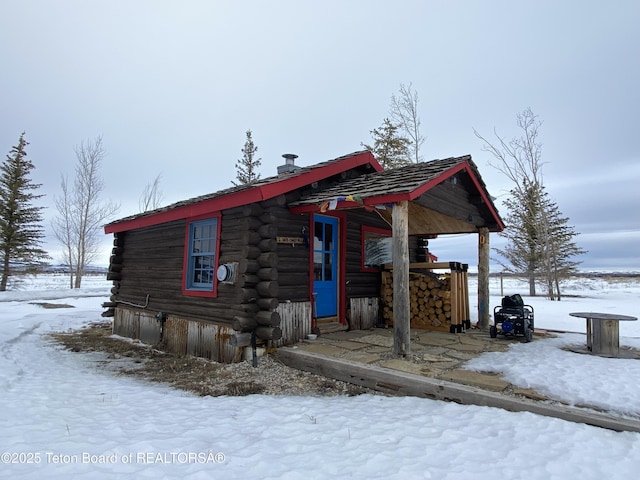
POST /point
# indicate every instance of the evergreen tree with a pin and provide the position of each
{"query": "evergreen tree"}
(389, 147)
(21, 232)
(247, 166)
(558, 246)
(522, 251)
(540, 242)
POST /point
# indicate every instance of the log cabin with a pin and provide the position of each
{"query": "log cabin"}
(301, 251)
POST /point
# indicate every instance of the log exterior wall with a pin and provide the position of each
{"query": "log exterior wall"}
(293, 259)
(272, 289)
(359, 283)
(152, 263)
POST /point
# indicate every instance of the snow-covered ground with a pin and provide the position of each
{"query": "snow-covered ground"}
(63, 418)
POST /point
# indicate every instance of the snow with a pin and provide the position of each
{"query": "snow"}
(64, 418)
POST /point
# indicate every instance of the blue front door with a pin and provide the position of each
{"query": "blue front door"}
(325, 265)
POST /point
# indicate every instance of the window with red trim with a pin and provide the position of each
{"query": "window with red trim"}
(377, 248)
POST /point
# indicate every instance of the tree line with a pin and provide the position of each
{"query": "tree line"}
(81, 212)
(540, 243)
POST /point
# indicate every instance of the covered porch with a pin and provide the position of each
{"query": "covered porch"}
(433, 198)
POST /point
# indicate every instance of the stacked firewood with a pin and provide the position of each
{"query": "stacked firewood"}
(437, 301)
(430, 299)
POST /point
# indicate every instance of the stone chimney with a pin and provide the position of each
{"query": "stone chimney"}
(289, 165)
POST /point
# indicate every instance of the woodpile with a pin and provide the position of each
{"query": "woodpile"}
(437, 301)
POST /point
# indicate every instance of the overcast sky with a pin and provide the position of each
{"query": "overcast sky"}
(172, 86)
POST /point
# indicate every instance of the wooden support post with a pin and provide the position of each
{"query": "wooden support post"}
(466, 316)
(401, 302)
(460, 326)
(483, 278)
(455, 301)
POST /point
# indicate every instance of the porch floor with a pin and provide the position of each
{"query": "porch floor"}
(433, 354)
(433, 370)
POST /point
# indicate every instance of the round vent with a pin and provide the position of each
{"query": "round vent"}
(225, 273)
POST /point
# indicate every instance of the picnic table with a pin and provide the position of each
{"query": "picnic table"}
(603, 332)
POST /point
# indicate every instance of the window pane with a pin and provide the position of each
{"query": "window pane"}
(328, 236)
(317, 233)
(202, 259)
(317, 266)
(203, 269)
(328, 267)
(378, 249)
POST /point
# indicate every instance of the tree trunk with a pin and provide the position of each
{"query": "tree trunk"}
(5, 272)
(532, 284)
(556, 279)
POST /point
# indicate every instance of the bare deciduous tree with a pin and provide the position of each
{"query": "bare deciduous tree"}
(540, 238)
(404, 113)
(519, 158)
(151, 196)
(63, 228)
(81, 210)
(520, 161)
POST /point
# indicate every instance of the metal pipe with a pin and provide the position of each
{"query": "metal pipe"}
(146, 304)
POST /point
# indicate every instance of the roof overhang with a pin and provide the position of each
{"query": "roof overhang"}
(437, 204)
(260, 191)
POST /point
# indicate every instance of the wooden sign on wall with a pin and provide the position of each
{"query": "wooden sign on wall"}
(290, 240)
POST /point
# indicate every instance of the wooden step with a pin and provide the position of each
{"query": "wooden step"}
(326, 320)
(331, 327)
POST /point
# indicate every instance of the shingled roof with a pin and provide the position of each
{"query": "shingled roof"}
(447, 196)
(379, 186)
(263, 189)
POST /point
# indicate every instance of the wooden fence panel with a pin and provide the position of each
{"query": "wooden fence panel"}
(364, 313)
(295, 322)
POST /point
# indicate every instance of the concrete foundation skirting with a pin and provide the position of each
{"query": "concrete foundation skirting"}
(401, 383)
